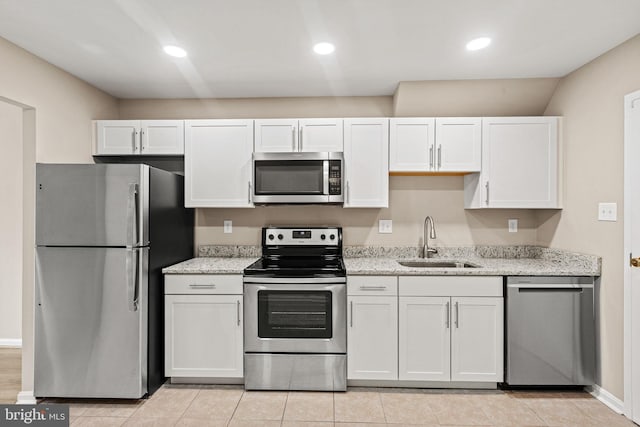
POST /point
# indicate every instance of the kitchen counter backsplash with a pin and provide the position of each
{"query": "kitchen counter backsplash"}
(229, 251)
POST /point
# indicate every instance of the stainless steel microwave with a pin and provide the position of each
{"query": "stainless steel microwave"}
(298, 178)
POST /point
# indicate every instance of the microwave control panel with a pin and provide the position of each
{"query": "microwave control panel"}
(335, 177)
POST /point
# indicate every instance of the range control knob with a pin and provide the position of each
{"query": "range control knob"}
(271, 236)
(332, 236)
(322, 236)
(280, 237)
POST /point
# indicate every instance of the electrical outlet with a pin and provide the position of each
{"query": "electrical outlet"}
(607, 211)
(228, 226)
(385, 226)
(513, 226)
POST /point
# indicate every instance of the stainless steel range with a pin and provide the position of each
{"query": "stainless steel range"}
(295, 311)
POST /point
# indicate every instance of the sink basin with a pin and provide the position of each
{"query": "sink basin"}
(437, 264)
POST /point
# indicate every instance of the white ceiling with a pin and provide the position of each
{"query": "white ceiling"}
(263, 48)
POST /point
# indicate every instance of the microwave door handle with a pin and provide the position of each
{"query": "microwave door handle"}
(325, 177)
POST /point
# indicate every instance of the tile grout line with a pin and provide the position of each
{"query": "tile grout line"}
(286, 400)
(236, 408)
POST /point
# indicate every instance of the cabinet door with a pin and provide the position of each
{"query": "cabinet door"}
(217, 163)
(366, 157)
(320, 135)
(520, 162)
(203, 336)
(458, 144)
(276, 136)
(424, 338)
(411, 144)
(162, 137)
(117, 137)
(372, 338)
(477, 339)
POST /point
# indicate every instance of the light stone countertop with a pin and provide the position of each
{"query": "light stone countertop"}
(487, 267)
(211, 265)
(492, 261)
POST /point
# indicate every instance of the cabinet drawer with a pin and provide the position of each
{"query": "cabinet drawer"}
(435, 286)
(372, 285)
(203, 284)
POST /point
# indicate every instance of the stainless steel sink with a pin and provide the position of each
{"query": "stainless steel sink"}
(437, 264)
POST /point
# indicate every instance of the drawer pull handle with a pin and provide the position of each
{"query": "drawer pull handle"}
(373, 288)
(202, 286)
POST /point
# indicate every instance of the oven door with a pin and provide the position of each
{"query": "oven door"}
(295, 317)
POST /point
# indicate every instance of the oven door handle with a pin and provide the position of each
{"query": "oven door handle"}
(293, 281)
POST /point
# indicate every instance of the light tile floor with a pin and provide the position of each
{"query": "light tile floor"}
(180, 405)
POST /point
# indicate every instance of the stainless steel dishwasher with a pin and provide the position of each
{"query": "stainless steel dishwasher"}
(550, 331)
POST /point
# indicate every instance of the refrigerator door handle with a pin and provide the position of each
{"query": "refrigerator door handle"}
(132, 216)
(132, 279)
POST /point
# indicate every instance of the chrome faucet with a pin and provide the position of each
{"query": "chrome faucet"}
(428, 252)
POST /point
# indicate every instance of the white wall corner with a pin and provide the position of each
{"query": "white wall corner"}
(10, 342)
(26, 398)
(607, 398)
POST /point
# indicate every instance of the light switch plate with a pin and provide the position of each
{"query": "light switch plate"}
(228, 226)
(607, 211)
(513, 226)
(385, 226)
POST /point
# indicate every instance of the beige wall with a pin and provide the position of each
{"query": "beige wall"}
(591, 101)
(364, 106)
(57, 113)
(410, 200)
(472, 98)
(11, 223)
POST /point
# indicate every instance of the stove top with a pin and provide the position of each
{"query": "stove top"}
(303, 252)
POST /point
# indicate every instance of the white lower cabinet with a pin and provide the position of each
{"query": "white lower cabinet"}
(424, 339)
(203, 326)
(372, 333)
(450, 328)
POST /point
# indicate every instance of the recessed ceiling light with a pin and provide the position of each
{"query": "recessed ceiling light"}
(479, 43)
(175, 51)
(323, 48)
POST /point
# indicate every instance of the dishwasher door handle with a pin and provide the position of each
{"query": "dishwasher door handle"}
(535, 290)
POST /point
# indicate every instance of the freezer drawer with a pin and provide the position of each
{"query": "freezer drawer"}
(550, 331)
(90, 336)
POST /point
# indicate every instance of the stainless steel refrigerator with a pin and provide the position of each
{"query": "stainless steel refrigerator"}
(103, 234)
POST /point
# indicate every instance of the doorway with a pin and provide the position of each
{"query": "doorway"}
(632, 248)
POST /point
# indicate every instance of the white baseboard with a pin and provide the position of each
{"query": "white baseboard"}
(607, 398)
(26, 398)
(9, 342)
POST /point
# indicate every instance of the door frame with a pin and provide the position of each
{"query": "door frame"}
(631, 100)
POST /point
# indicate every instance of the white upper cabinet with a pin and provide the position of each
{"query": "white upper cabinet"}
(411, 144)
(139, 137)
(217, 163)
(293, 135)
(421, 144)
(162, 137)
(276, 136)
(519, 164)
(458, 144)
(320, 135)
(366, 158)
